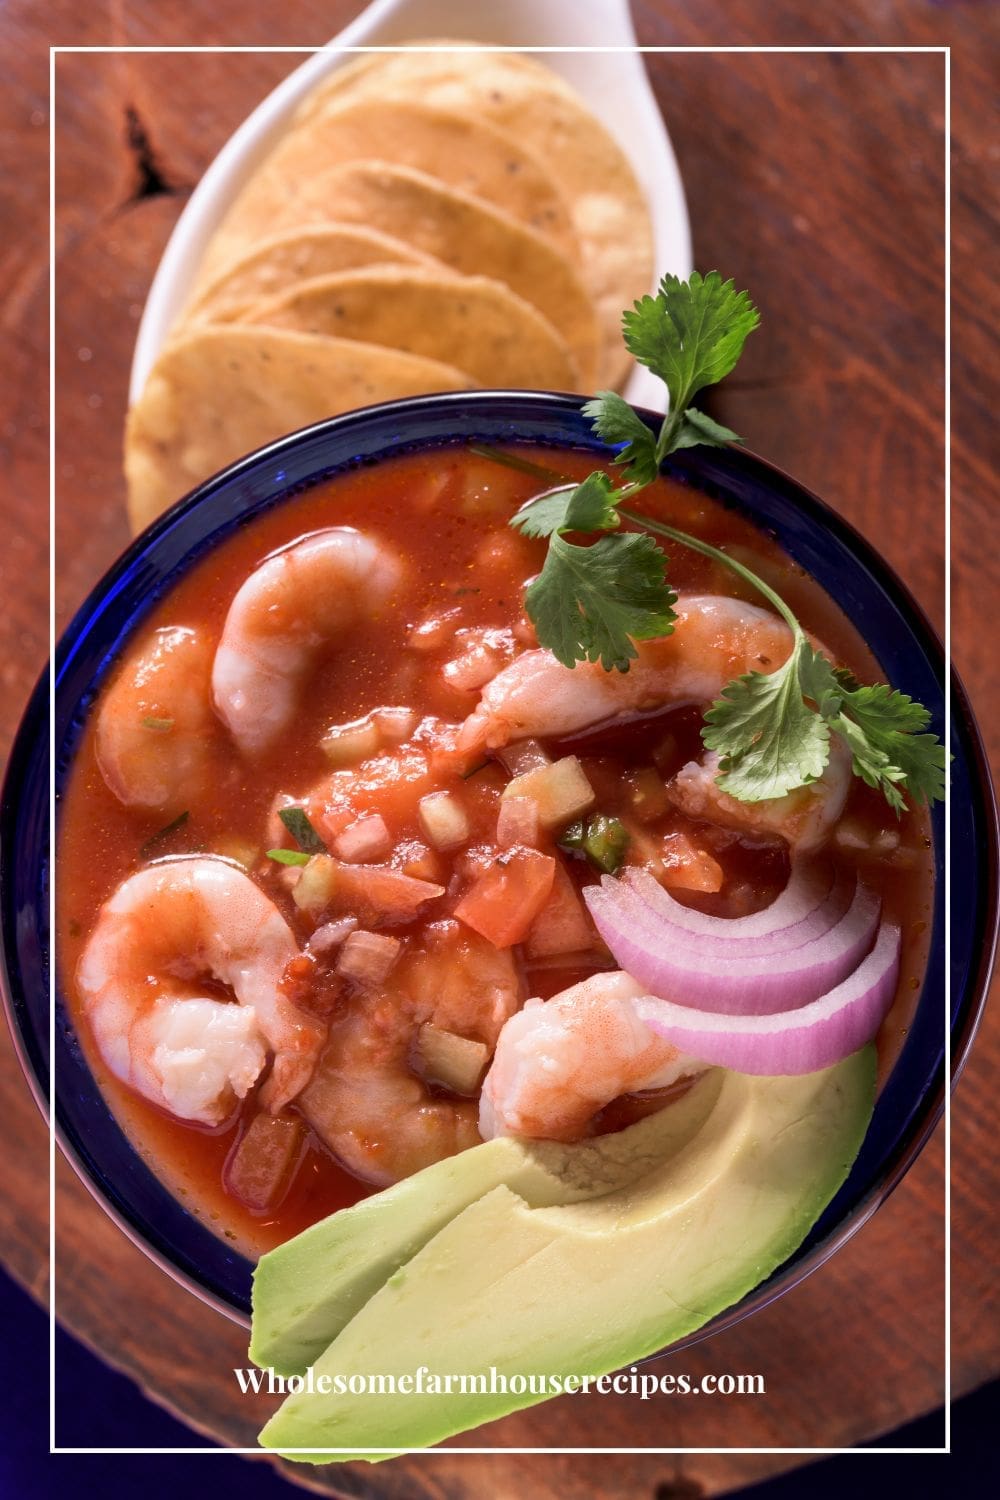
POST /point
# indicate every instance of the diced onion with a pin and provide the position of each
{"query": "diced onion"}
(802, 1040)
(523, 755)
(365, 841)
(368, 957)
(331, 935)
(725, 978)
(517, 822)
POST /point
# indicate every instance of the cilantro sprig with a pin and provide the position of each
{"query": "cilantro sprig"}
(592, 601)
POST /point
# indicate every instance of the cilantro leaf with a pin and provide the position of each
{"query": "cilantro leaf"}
(820, 680)
(882, 710)
(697, 428)
(545, 514)
(615, 421)
(691, 333)
(769, 739)
(882, 727)
(871, 764)
(590, 603)
(772, 740)
(591, 506)
(588, 506)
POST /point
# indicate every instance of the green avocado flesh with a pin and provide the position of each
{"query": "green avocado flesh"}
(546, 1280)
(307, 1289)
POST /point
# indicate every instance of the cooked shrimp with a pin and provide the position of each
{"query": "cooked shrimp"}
(364, 1100)
(557, 1062)
(714, 640)
(155, 723)
(804, 817)
(137, 978)
(297, 602)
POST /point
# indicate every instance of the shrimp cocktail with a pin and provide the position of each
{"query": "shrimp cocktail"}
(492, 888)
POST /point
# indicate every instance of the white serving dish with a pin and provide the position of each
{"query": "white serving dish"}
(612, 82)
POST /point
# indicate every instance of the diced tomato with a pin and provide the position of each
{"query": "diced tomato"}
(505, 899)
(562, 925)
(688, 868)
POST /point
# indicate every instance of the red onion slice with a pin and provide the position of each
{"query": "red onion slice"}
(795, 1041)
(735, 985)
(809, 884)
(656, 920)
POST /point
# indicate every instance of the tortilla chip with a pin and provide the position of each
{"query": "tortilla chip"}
(281, 260)
(459, 150)
(461, 231)
(498, 337)
(219, 392)
(519, 95)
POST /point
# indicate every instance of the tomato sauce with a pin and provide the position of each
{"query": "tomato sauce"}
(445, 513)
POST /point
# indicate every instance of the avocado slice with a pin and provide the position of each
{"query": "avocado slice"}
(585, 1288)
(307, 1289)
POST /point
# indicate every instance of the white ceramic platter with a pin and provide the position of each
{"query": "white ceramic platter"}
(612, 82)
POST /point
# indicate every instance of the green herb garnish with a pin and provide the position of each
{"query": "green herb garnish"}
(157, 838)
(289, 856)
(602, 839)
(593, 601)
(512, 461)
(302, 831)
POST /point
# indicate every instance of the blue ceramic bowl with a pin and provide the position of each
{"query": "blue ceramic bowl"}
(813, 535)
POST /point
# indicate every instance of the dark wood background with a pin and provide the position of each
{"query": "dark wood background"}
(815, 180)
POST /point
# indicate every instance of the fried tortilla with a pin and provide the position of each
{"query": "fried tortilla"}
(459, 149)
(521, 96)
(462, 232)
(281, 260)
(498, 337)
(221, 391)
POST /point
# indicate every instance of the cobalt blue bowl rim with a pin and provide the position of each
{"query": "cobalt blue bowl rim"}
(183, 1245)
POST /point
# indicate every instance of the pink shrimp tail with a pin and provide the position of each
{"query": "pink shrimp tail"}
(293, 1068)
(474, 733)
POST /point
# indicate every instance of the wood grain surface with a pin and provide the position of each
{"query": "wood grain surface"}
(815, 180)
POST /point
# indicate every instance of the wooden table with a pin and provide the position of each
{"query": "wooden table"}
(816, 181)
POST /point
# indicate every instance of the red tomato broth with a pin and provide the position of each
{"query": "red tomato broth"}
(445, 513)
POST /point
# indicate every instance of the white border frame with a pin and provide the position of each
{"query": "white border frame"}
(258, 1452)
